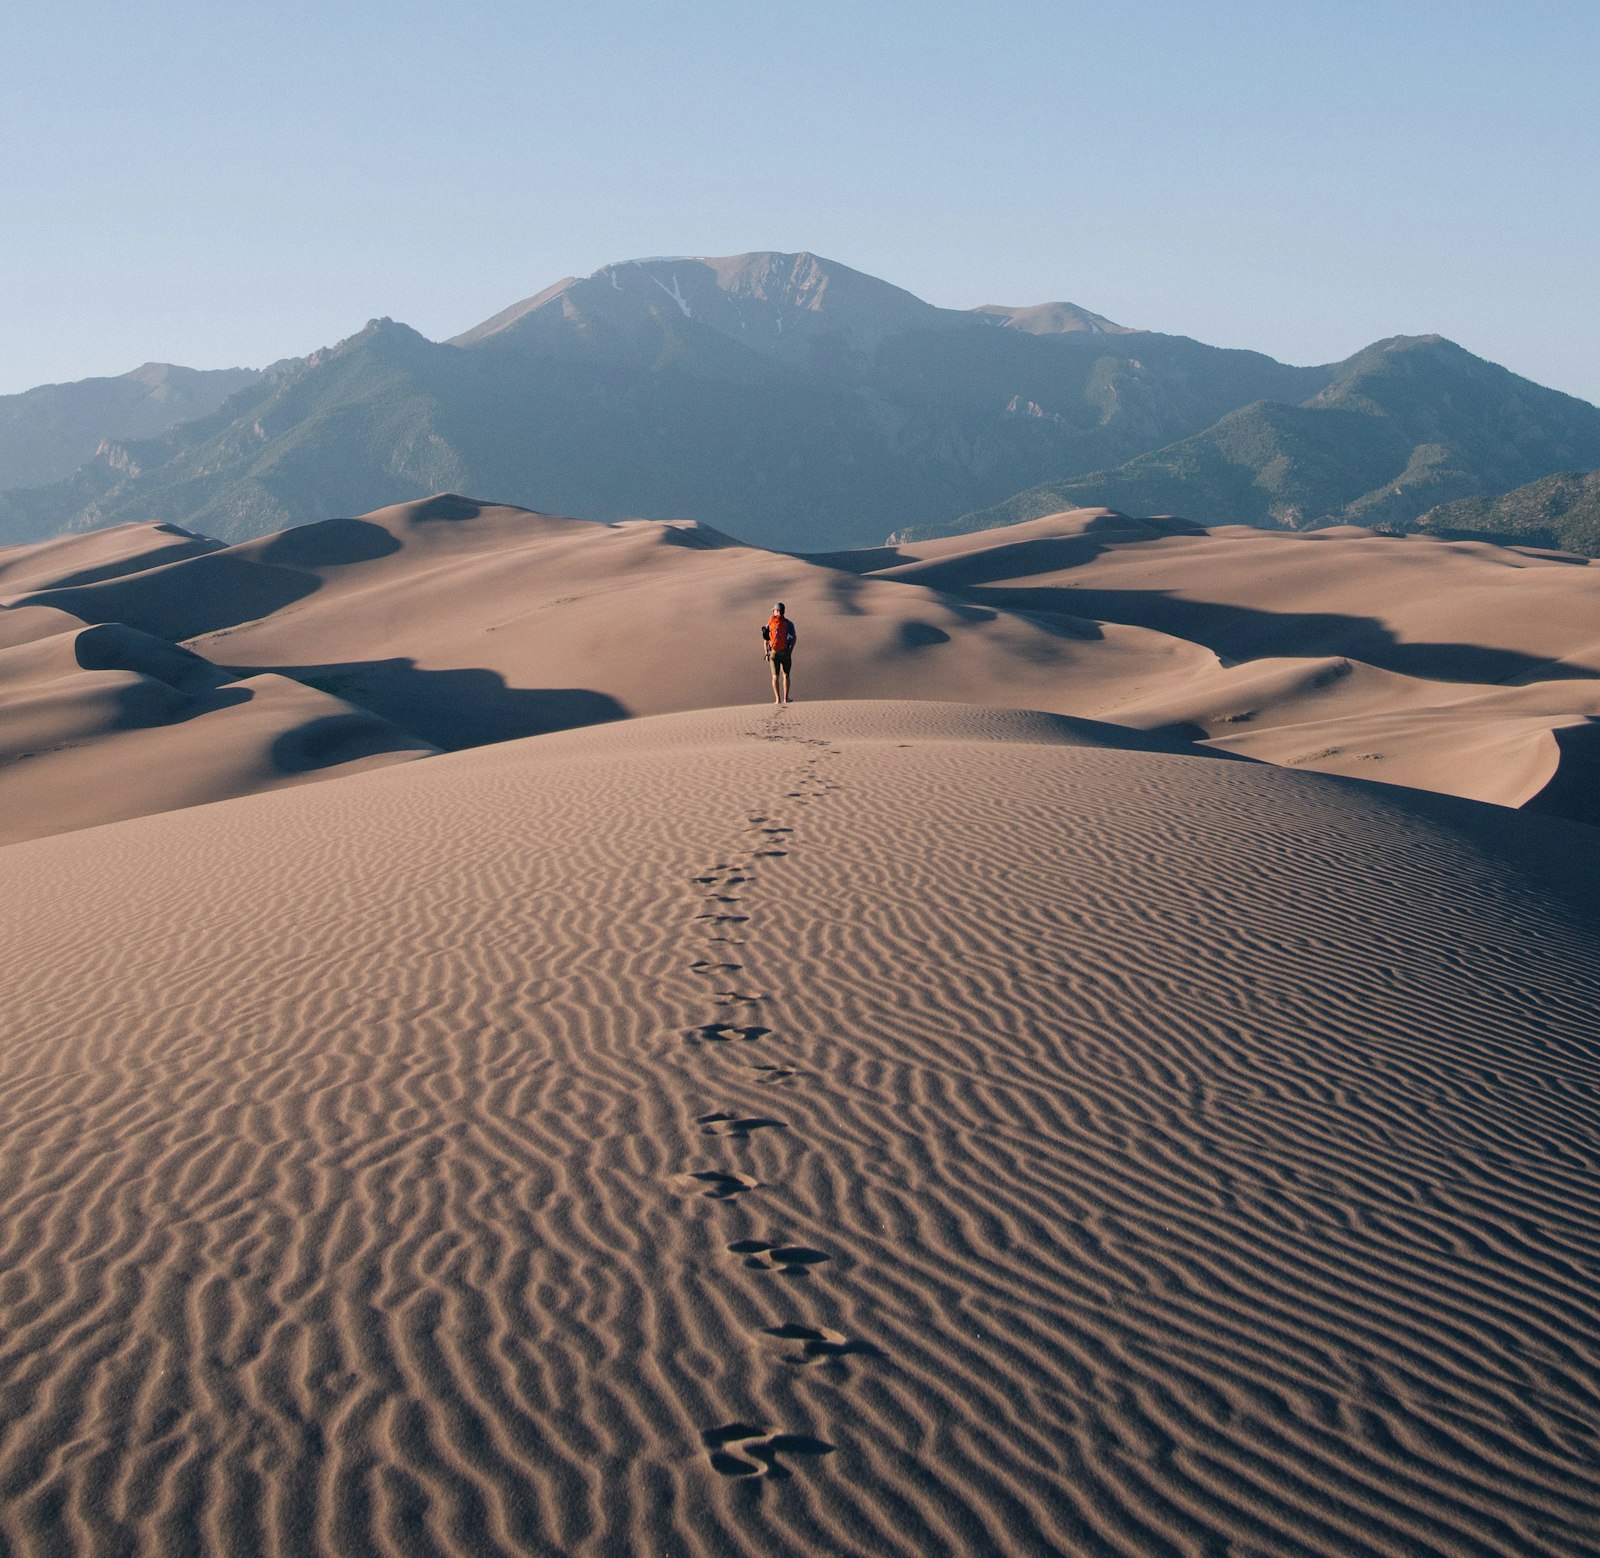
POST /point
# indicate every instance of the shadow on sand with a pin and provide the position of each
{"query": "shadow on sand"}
(453, 709)
(1242, 633)
(1573, 791)
(328, 544)
(222, 590)
(174, 685)
(335, 739)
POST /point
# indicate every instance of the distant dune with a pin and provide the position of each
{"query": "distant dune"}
(872, 1127)
(1453, 666)
(103, 722)
(1460, 667)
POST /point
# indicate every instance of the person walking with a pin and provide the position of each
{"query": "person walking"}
(778, 634)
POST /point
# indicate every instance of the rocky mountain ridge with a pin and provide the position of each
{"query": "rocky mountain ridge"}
(809, 406)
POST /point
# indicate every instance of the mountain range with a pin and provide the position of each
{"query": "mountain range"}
(804, 405)
(1404, 426)
(48, 432)
(1560, 511)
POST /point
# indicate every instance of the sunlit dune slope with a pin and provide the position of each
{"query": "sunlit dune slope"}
(103, 723)
(90, 556)
(1460, 667)
(468, 623)
(1445, 665)
(867, 1128)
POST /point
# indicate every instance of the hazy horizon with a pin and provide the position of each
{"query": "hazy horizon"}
(222, 191)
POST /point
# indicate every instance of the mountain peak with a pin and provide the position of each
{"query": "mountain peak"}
(777, 302)
(1053, 319)
(150, 374)
(754, 298)
(384, 337)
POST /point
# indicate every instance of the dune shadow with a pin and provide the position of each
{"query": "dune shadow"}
(1573, 791)
(844, 589)
(173, 686)
(1011, 560)
(1179, 740)
(199, 546)
(218, 590)
(447, 508)
(330, 740)
(453, 709)
(1243, 633)
(113, 646)
(871, 559)
(149, 704)
(329, 543)
(921, 635)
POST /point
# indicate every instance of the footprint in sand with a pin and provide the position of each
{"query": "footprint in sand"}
(788, 1260)
(702, 966)
(819, 1344)
(722, 1123)
(721, 1032)
(757, 1450)
(722, 1186)
(770, 854)
(776, 1074)
(725, 919)
(735, 998)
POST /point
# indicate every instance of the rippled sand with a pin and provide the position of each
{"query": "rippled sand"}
(868, 1128)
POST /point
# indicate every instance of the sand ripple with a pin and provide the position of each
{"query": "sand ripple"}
(864, 1129)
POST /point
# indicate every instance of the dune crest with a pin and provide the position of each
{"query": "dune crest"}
(104, 723)
(1458, 667)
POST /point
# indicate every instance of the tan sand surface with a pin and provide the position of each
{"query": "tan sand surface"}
(1459, 667)
(86, 557)
(103, 723)
(467, 622)
(1451, 664)
(870, 1128)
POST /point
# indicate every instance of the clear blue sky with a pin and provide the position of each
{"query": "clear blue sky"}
(219, 185)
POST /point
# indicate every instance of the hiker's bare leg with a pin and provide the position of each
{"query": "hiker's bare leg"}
(775, 675)
(788, 676)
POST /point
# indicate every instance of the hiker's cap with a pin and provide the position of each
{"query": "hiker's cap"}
(779, 608)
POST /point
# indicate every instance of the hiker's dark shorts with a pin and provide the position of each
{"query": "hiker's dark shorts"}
(780, 660)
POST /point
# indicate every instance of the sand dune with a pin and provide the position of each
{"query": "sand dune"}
(92, 555)
(103, 723)
(873, 1128)
(1449, 610)
(467, 623)
(1459, 667)
(1448, 666)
